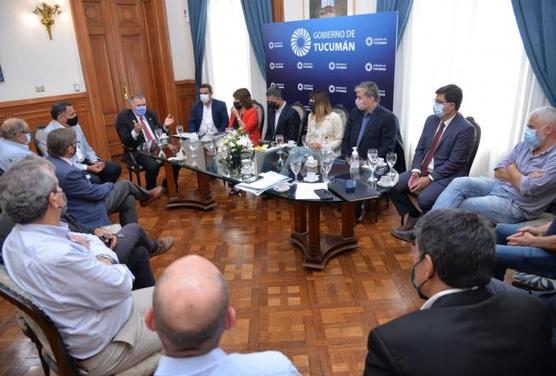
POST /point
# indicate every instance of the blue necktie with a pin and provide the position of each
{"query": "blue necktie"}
(364, 125)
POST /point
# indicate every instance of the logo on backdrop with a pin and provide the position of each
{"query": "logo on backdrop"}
(300, 42)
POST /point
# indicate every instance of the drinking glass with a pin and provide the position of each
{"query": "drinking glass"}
(179, 130)
(304, 140)
(372, 154)
(326, 166)
(246, 163)
(295, 166)
(391, 159)
(279, 141)
(158, 133)
(193, 146)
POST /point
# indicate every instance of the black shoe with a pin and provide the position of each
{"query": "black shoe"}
(406, 236)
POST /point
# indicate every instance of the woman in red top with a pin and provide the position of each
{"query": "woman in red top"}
(244, 115)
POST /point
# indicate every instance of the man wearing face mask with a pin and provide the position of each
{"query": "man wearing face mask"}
(371, 126)
(282, 118)
(138, 125)
(99, 171)
(462, 328)
(14, 144)
(209, 114)
(440, 156)
(525, 181)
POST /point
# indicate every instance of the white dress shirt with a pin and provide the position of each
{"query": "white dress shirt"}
(218, 363)
(12, 152)
(442, 293)
(87, 300)
(148, 127)
(207, 123)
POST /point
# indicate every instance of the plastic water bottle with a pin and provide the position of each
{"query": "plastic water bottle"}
(354, 163)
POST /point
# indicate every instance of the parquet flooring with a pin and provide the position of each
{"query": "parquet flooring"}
(320, 319)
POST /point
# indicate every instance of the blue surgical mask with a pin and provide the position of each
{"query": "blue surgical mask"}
(530, 136)
(438, 109)
(141, 110)
(27, 138)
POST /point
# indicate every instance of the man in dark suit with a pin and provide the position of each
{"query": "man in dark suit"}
(441, 155)
(209, 114)
(282, 118)
(138, 125)
(371, 126)
(91, 203)
(462, 329)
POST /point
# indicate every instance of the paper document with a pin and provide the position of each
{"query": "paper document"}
(269, 180)
(306, 191)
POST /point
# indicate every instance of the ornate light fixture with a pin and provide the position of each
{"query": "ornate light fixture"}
(47, 13)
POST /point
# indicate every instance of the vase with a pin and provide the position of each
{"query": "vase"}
(235, 162)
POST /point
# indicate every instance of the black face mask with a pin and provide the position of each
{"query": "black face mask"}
(238, 105)
(312, 106)
(72, 122)
(415, 286)
(273, 106)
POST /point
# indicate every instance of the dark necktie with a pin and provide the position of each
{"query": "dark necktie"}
(432, 149)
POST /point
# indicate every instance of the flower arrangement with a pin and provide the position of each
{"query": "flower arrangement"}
(233, 144)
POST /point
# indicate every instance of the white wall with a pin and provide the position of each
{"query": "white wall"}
(181, 44)
(28, 58)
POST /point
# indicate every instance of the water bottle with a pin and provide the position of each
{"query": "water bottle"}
(354, 163)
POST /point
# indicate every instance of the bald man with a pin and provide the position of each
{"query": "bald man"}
(190, 313)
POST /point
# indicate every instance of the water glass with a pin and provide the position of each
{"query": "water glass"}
(391, 159)
(295, 166)
(247, 163)
(179, 130)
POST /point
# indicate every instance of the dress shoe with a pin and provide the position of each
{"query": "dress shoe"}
(406, 236)
(163, 245)
(154, 194)
(409, 224)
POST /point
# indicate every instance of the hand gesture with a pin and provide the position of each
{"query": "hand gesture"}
(521, 238)
(79, 239)
(138, 126)
(412, 180)
(168, 121)
(535, 174)
(419, 184)
(537, 231)
(105, 234)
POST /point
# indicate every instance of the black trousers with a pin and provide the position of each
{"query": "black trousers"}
(152, 166)
(134, 250)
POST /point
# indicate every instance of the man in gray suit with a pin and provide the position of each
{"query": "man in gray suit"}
(441, 155)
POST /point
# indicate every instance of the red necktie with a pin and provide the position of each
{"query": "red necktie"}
(432, 150)
(146, 133)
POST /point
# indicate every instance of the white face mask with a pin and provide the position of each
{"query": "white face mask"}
(27, 138)
(359, 104)
(204, 98)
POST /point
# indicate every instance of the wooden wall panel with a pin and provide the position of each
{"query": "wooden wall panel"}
(185, 93)
(37, 112)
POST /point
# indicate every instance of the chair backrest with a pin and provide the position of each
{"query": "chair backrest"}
(476, 142)
(40, 328)
(260, 114)
(300, 111)
(341, 110)
(38, 135)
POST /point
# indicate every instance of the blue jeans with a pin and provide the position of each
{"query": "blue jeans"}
(482, 196)
(524, 259)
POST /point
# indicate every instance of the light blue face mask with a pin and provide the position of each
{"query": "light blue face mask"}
(141, 110)
(530, 136)
(438, 109)
(27, 138)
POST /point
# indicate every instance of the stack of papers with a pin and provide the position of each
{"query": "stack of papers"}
(306, 191)
(269, 180)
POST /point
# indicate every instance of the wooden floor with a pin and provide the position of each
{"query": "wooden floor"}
(320, 319)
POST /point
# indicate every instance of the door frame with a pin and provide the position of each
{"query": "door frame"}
(167, 96)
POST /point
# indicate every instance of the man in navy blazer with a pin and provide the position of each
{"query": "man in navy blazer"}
(441, 155)
(91, 203)
(371, 126)
(282, 118)
(137, 125)
(208, 113)
(462, 328)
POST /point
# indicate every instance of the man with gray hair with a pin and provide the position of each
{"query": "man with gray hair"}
(371, 126)
(282, 118)
(14, 143)
(525, 181)
(190, 313)
(74, 278)
(462, 328)
(137, 126)
(91, 203)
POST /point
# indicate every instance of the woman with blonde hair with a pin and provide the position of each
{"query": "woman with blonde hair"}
(244, 115)
(324, 127)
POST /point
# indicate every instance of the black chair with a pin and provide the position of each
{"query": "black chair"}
(133, 167)
(260, 115)
(476, 142)
(40, 329)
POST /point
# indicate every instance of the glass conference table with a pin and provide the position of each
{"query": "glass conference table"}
(306, 232)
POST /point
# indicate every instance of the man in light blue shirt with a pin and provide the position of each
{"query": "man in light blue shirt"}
(85, 159)
(525, 181)
(74, 278)
(14, 144)
(190, 313)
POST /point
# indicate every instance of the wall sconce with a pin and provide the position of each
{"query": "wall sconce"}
(47, 13)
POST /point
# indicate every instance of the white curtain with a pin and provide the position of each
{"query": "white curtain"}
(476, 45)
(229, 60)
